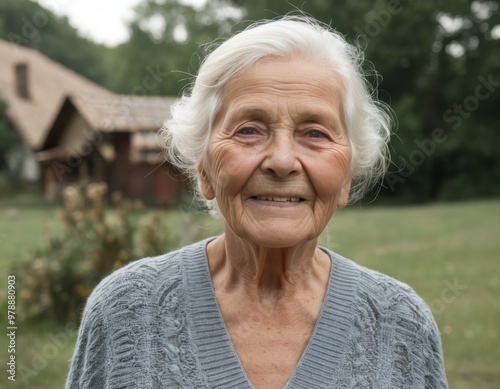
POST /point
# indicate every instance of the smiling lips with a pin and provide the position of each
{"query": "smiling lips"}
(279, 199)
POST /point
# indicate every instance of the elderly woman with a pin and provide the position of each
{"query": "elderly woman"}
(279, 130)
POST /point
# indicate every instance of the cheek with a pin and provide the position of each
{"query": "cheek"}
(230, 170)
(329, 177)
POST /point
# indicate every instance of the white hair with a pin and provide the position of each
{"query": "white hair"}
(186, 133)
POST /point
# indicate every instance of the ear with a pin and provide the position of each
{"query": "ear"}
(344, 192)
(204, 183)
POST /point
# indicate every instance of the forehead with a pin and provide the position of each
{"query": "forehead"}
(290, 79)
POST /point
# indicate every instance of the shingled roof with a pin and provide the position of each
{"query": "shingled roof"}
(123, 113)
(118, 113)
(51, 84)
(48, 84)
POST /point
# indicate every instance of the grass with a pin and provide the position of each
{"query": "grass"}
(447, 252)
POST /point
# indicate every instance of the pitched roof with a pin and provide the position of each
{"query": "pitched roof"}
(123, 112)
(114, 113)
(48, 84)
(51, 85)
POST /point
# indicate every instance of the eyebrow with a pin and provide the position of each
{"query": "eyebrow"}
(241, 114)
(251, 112)
(331, 118)
(313, 116)
(306, 115)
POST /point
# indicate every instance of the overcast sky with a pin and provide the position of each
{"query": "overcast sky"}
(100, 20)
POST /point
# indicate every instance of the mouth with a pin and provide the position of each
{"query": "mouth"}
(279, 199)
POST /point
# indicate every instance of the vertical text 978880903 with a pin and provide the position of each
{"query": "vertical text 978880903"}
(11, 327)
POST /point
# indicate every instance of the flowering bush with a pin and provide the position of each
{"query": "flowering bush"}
(56, 280)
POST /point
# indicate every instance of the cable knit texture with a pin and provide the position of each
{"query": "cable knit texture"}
(156, 324)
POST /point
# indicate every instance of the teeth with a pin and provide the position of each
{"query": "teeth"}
(279, 199)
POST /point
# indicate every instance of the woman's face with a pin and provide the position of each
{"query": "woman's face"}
(278, 161)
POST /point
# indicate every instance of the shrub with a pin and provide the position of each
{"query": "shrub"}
(56, 279)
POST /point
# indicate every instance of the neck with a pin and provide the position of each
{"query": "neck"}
(266, 274)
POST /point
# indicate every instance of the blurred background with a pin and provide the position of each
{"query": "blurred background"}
(85, 85)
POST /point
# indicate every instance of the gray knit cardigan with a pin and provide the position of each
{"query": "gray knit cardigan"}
(156, 324)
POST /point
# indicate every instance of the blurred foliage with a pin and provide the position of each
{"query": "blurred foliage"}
(8, 138)
(56, 279)
(166, 36)
(10, 163)
(430, 55)
(437, 64)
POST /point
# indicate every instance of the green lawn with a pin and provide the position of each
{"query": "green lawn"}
(449, 253)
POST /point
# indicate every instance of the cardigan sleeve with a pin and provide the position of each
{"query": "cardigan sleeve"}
(89, 365)
(114, 341)
(425, 345)
(417, 355)
(433, 354)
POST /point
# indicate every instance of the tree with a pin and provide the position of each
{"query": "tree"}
(432, 57)
(8, 139)
(437, 63)
(164, 36)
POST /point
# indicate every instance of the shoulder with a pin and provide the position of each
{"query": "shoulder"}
(391, 324)
(142, 282)
(385, 297)
(141, 275)
(122, 316)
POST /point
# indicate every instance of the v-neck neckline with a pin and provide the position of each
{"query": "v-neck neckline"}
(323, 354)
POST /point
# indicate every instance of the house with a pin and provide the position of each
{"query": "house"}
(33, 86)
(74, 130)
(112, 139)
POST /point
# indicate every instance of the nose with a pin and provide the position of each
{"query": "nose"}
(281, 156)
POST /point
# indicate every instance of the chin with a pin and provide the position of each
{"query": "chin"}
(280, 238)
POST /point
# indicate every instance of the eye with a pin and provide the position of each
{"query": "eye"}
(315, 134)
(247, 131)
